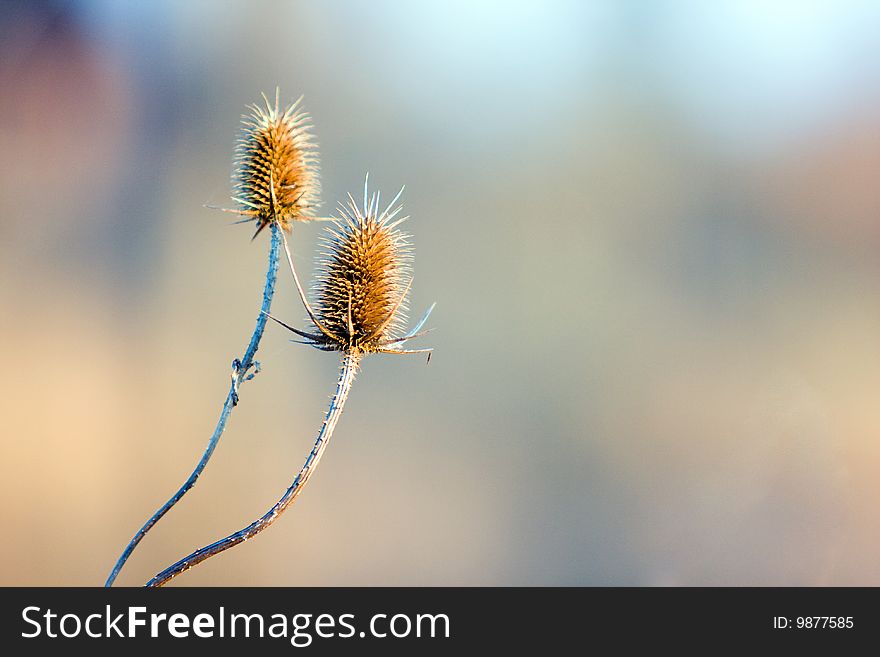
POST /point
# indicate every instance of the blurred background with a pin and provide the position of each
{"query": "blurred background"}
(651, 228)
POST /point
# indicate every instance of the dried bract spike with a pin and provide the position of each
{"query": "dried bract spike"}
(363, 279)
(276, 176)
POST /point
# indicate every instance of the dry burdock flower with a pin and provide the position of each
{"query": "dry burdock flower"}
(361, 286)
(361, 289)
(276, 175)
(360, 294)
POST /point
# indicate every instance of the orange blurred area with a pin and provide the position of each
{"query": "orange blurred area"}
(651, 232)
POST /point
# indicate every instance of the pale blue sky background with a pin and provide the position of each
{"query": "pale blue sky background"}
(651, 229)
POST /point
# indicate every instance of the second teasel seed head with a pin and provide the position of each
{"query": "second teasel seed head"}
(276, 166)
(363, 278)
(361, 286)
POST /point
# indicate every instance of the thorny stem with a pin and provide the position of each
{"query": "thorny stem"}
(240, 373)
(350, 363)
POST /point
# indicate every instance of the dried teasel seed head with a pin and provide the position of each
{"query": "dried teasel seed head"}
(363, 278)
(276, 166)
(362, 283)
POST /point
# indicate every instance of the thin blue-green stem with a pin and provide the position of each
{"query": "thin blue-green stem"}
(350, 363)
(240, 373)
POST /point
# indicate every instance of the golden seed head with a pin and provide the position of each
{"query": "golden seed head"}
(363, 277)
(276, 166)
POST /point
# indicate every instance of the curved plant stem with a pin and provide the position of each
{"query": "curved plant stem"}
(350, 362)
(240, 373)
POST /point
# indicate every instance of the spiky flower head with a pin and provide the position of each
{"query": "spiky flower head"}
(276, 166)
(360, 290)
(363, 278)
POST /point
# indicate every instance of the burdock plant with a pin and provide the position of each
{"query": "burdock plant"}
(359, 308)
(276, 184)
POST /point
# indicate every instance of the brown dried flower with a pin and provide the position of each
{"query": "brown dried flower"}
(364, 276)
(276, 166)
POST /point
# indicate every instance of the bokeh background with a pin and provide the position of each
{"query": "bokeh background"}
(651, 228)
